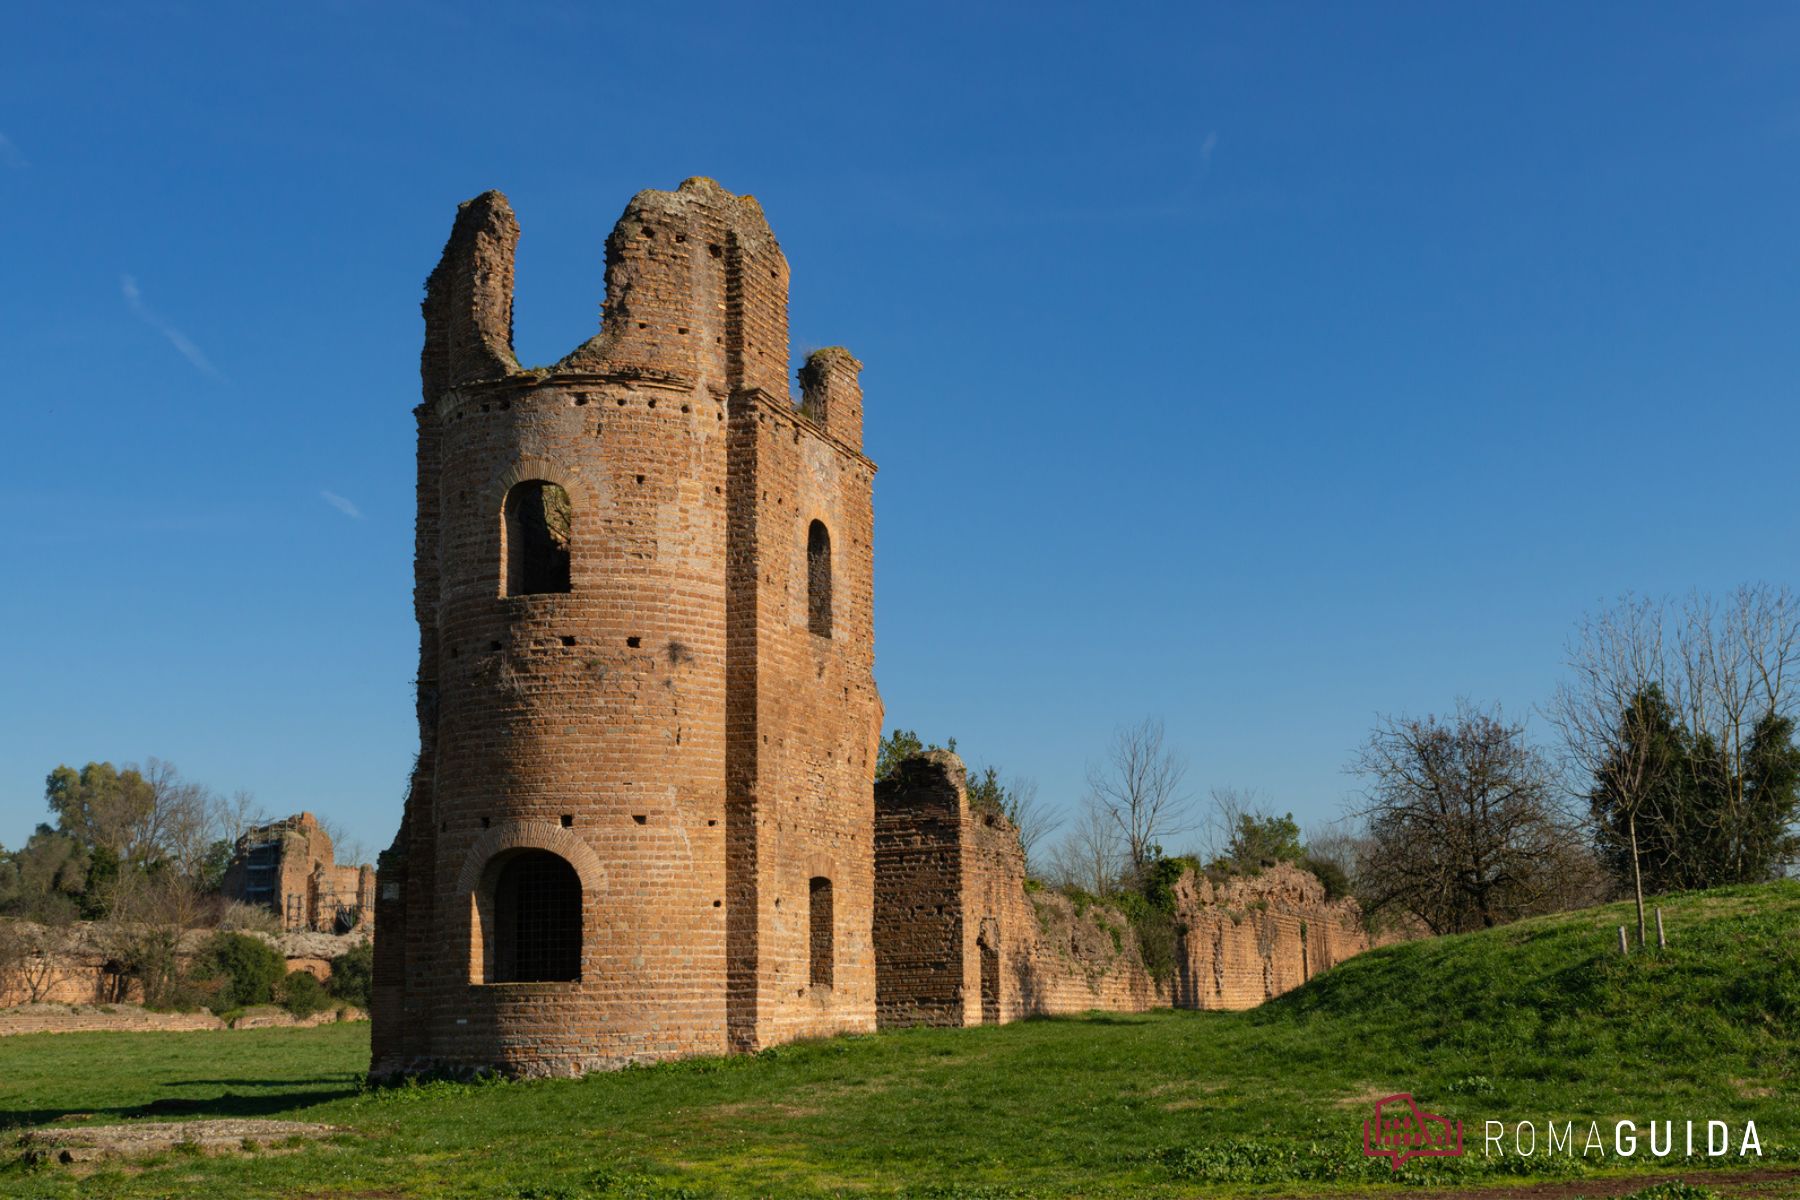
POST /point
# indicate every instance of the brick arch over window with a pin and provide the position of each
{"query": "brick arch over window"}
(530, 888)
(818, 579)
(531, 835)
(531, 498)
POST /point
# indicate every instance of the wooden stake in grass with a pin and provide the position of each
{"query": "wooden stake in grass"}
(1624, 946)
(1662, 941)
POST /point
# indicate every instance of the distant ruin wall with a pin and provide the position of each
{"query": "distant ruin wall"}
(75, 965)
(960, 940)
(129, 1018)
(289, 868)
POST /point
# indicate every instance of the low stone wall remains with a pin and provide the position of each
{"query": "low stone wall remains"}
(78, 964)
(131, 1018)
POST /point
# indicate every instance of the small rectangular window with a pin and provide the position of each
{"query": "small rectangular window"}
(820, 926)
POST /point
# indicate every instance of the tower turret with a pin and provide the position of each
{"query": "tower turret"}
(639, 826)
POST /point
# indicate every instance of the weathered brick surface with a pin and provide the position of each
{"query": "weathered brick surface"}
(669, 726)
(960, 941)
(1251, 939)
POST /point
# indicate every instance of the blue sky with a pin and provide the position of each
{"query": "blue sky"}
(1264, 367)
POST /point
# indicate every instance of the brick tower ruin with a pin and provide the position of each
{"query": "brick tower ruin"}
(640, 823)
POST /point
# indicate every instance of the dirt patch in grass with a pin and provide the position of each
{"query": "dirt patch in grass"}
(763, 1108)
(1365, 1098)
(141, 1139)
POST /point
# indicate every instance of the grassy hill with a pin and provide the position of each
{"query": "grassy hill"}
(1534, 1021)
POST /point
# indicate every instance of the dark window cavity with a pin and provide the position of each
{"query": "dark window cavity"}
(819, 925)
(818, 579)
(537, 920)
(536, 546)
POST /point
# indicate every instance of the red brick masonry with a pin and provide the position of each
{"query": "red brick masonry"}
(643, 821)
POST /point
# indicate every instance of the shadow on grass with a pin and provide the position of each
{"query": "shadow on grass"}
(345, 1078)
(231, 1104)
(1091, 1017)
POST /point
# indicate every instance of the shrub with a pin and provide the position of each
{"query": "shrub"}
(249, 970)
(302, 995)
(247, 918)
(353, 974)
(1336, 882)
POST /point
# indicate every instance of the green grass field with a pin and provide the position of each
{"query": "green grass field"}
(1534, 1021)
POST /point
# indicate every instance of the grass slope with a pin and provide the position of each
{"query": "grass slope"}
(1537, 1020)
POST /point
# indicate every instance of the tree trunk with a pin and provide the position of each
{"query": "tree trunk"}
(1637, 874)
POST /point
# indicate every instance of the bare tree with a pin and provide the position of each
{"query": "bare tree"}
(1735, 666)
(1139, 788)
(179, 825)
(151, 911)
(1090, 856)
(1606, 707)
(1031, 818)
(1228, 810)
(346, 849)
(1465, 831)
(236, 816)
(1717, 671)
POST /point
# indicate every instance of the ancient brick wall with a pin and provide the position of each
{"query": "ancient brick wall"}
(1250, 939)
(960, 940)
(664, 720)
(919, 914)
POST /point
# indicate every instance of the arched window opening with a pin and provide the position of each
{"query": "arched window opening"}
(536, 547)
(819, 926)
(818, 579)
(536, 933)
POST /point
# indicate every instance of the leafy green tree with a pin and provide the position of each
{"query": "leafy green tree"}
(353, 974)
(302, 995)
(1635, 800)
(249, 970)
(1330, 873)
(1697, 822)
(1767, 842)
(46, 878)
(986, 792)
(1262, 840)
(101, 806)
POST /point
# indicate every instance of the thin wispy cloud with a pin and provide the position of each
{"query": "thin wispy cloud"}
(134, 300)
(1206, 149)
(344, 506)
(10, 154)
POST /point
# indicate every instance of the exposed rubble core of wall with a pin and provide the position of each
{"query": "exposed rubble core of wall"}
(647, 713)
(960, 940)
(289, 868)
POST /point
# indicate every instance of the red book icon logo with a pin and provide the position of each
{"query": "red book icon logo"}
(1401, 1130)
